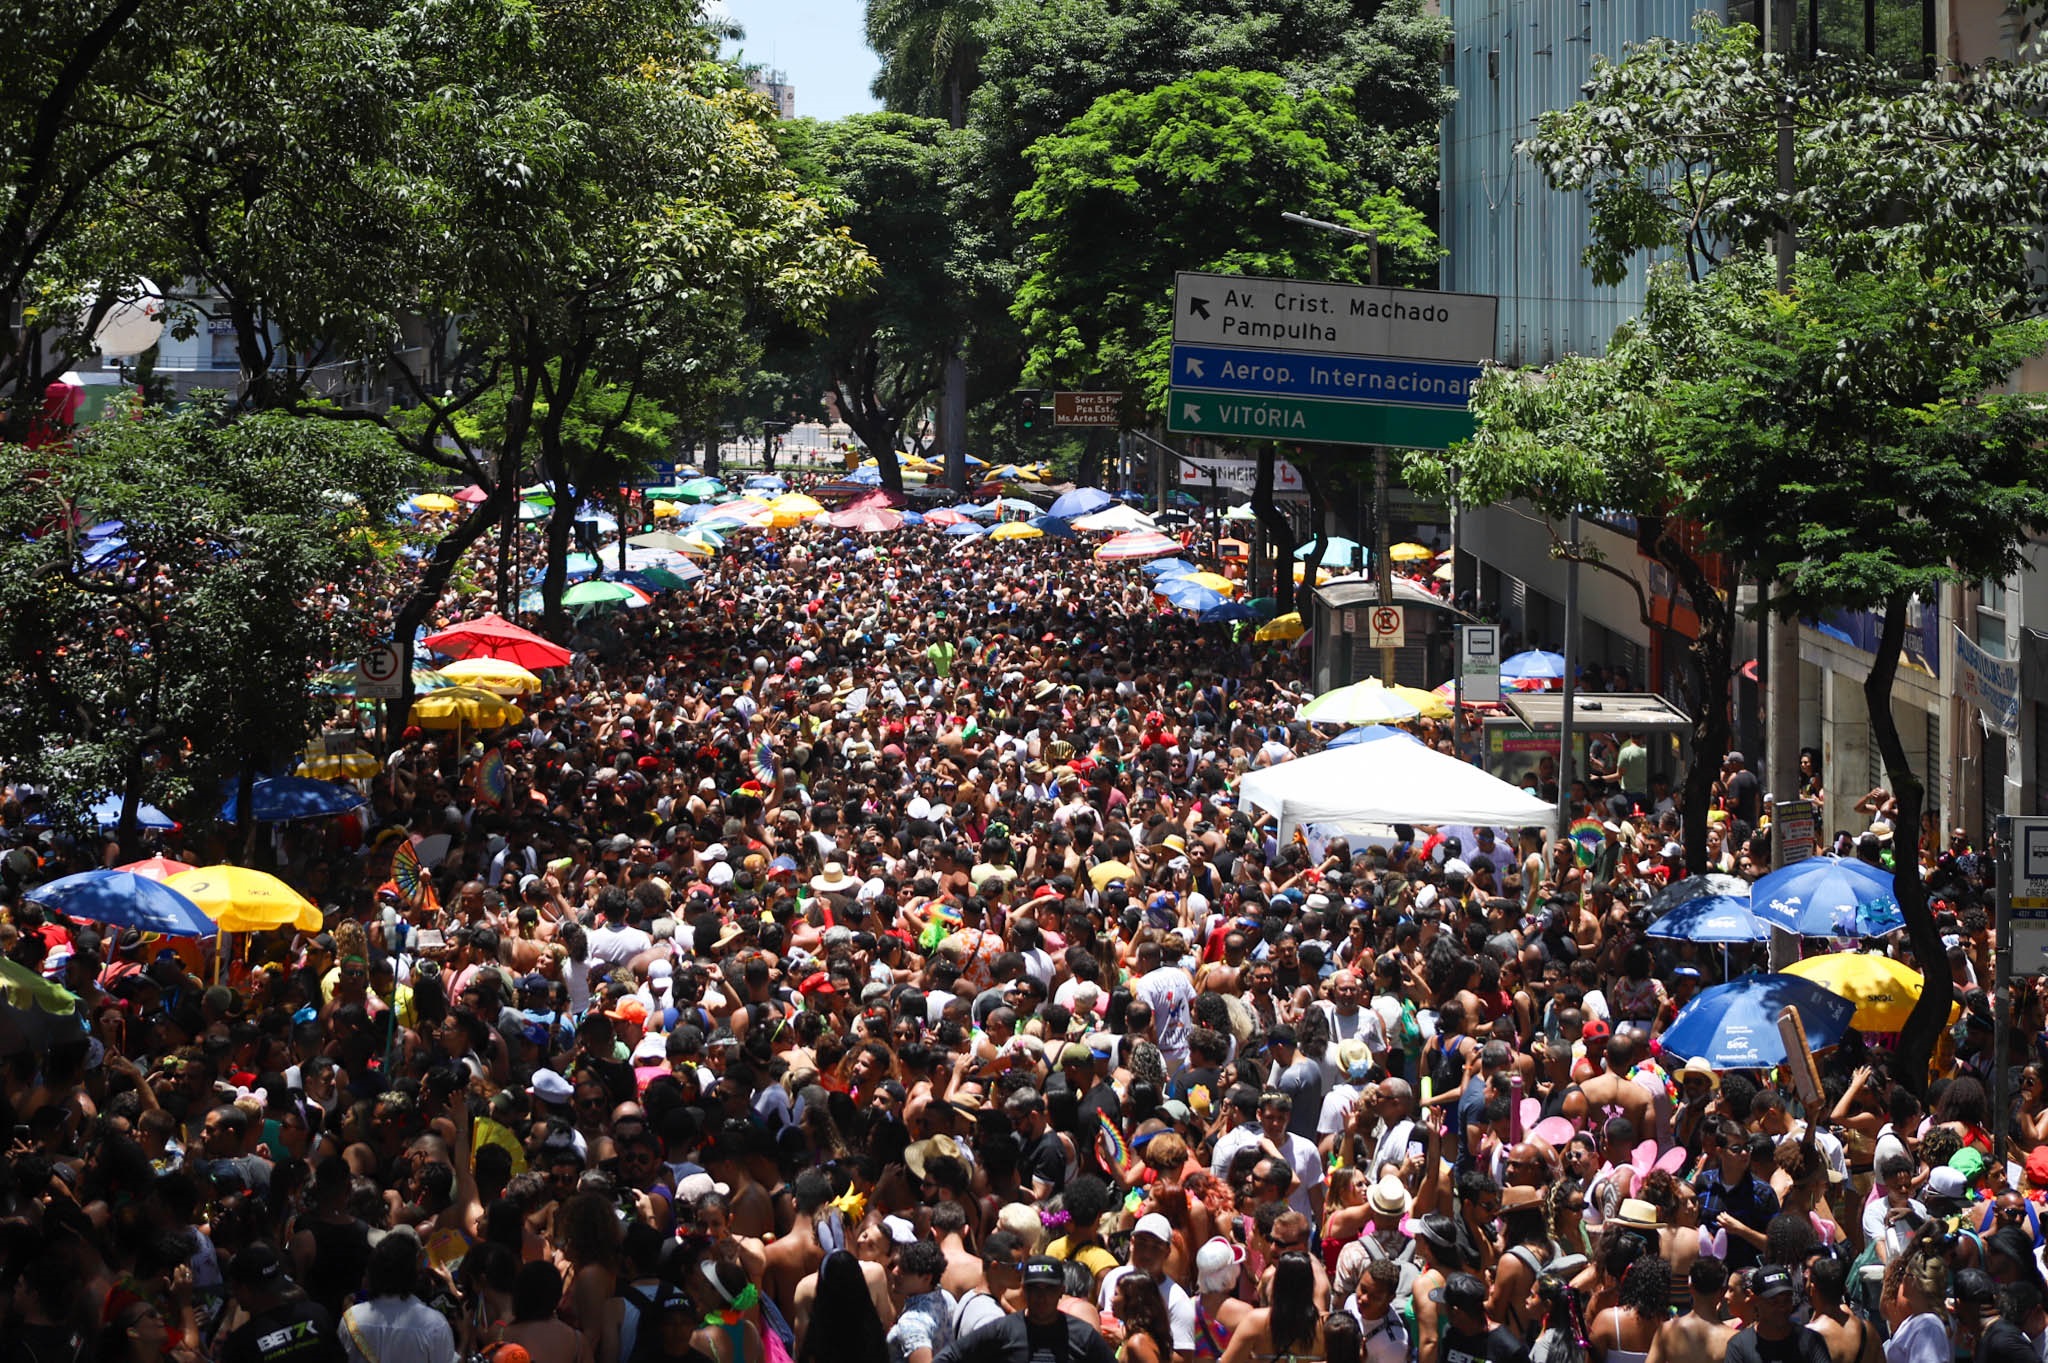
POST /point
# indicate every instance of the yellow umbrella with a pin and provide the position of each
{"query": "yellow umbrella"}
(1429, 703)
(1215, 582)
(464, 706)
(493, 675)
(1284, 628)
(1410, 552)
(1015, 530)
(347, 766)
(666, 511)
(793, 508)
(241, 899)
(1883, 990)
(435, 501)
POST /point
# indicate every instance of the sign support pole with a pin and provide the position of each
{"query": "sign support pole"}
(2001, 973)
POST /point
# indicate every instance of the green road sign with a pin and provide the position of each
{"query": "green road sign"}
(1315, 421)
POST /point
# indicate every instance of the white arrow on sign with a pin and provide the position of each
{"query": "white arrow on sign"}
(1194, 368)
(1190, 412)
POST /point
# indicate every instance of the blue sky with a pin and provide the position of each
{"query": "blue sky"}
(818, 44)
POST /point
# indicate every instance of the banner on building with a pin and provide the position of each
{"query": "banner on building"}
(1990, 683)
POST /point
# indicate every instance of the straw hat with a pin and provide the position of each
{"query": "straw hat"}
(1389, 1197)
(1637, 1215)
(833, 881)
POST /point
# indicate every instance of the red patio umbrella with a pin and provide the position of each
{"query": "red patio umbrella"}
(493, 636)
(869, 520)
(471, 494)
(155, 868)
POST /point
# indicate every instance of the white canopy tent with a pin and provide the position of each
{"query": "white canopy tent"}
(1372, 785)
(1116, 519)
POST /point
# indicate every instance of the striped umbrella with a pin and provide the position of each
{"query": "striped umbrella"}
(1137, 544)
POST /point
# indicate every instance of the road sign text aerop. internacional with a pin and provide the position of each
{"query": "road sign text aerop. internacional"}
(1286, 359)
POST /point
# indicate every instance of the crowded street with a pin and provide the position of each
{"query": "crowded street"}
(877, 947)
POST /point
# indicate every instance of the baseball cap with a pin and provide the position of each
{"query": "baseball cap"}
(257, 1266)
(1594, 1029)
(1461, 1289)
(1773, 1280)
(1948, 1181)
(1041, 1271)
(1154, 1225)
(1970, 1163)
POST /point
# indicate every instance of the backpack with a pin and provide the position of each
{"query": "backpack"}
(1406, 1259)
(646, 1329)
(1408, 1031)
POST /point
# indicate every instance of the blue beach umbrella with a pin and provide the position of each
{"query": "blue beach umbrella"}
(1828, 897)
(1169, 567)
(1533, 665)
(1716, 918)
(1370, 733)
(282, 799)
(124, 899)
(1734, 1026)
(966, 529)
(1082, 501)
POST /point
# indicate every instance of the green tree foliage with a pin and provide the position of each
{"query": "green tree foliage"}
(931, 55)
(1677, 145)
(1192, 175)
(182, 658)
(891, 179)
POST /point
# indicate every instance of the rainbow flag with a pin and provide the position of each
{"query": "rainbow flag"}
(764, 765)
(1586, 836)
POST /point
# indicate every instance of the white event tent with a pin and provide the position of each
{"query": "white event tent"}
(1372, 785)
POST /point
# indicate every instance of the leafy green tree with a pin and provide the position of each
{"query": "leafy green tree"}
(1192, 175)
(179, 658)
(931, 55)
(1676, 143)
(882, 352)
(1850, 439)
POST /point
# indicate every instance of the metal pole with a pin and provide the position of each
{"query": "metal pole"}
(1383, 566)
(1565, 759)
(1781, 705)
(2001, 972)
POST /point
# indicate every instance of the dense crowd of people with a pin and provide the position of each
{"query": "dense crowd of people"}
(863, 956)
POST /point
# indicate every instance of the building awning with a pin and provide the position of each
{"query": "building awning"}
(1643, 711)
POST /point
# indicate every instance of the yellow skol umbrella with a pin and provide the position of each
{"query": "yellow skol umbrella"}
(435, 501)
(1883, 990)
(793, 508)
(464, 707)
(1408, 551)
(1215, 582)
(344, 766)
(1283, 628)
(493, 675)
(1015, 530)
(242, 899)
(666, 511)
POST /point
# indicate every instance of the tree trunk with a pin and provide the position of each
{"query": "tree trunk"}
(1088, 472)
(711, 452)
(1712, 656)
(561, 525)
(1930, 1014)
(1319, 532)
(1279, 533)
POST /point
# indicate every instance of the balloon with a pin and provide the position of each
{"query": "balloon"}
(134, 323)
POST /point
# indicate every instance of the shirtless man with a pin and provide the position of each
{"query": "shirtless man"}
(1850, 1338)
(1701, 1335)
(964, 1271)
(797, 1255)
(1224, 976)
(1611, 1093)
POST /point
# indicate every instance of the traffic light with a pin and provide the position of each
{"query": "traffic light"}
(1027, 401)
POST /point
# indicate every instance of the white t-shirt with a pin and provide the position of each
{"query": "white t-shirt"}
(617, 945)
(1338, 1105)
(1364, 1025)
(1180, 1307)
(1172, 996)
(1896, 1236)
(1307, 1163)
(1922, 1339)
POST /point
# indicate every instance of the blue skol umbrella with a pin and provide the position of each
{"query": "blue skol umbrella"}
(914, 518)
(106, 812)
(1371, 733)
(124, 899)
(1336, 554)
(766, 482)
(964, 528)
(979, 513)
(281, 799)
(1185, 595)
(1693, 887)
(1082, 501)
(868, 475)
(1734, 1026)
(1224, 612)
(1053, 526)
(1828, 897)
(1533, 665)
(1716, 918)
(1169, 567)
